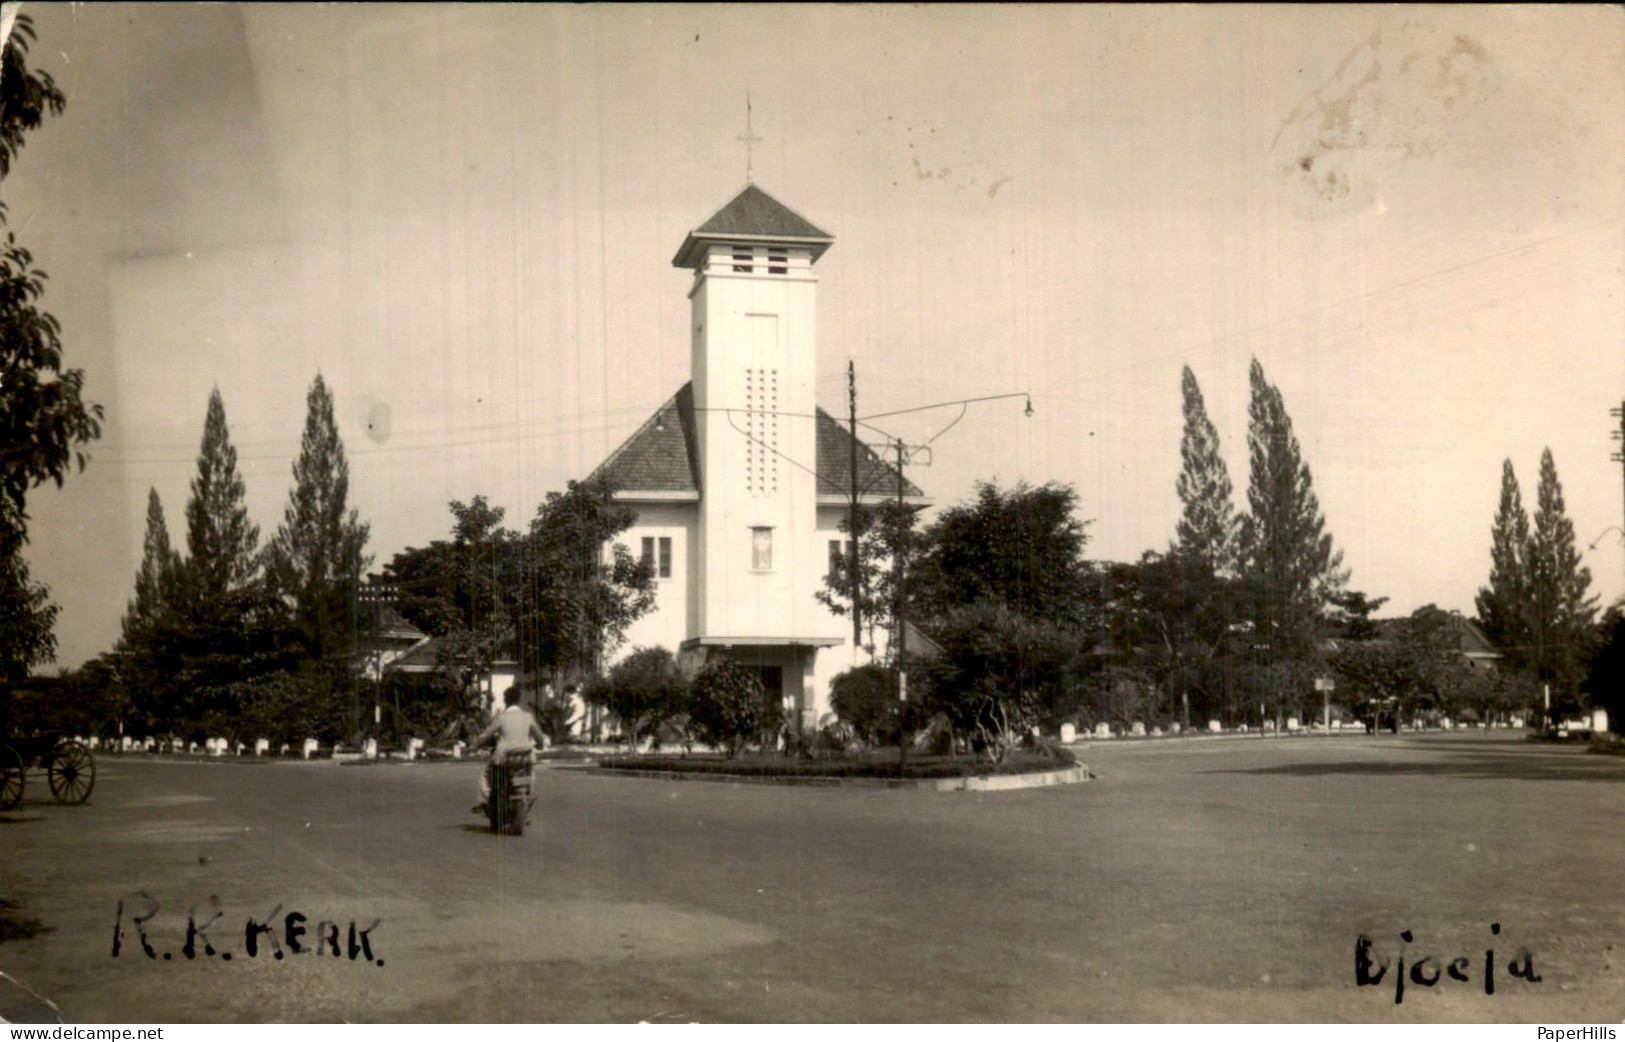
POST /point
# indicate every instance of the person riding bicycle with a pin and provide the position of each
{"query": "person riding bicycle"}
(510, 730)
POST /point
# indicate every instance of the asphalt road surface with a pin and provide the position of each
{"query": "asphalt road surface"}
(1200, 880)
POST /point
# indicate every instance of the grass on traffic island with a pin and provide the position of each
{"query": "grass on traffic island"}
(879, 763)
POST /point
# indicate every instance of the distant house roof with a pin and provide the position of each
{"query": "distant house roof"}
(920, 646)
(418, 659)
(1474, 642)
(391, 625)
(753, 216)
(425, 658)
(663, 456)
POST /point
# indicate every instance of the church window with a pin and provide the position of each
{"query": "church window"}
(761, 549)
(657, 555)
(777, 263)
(743, 255)
(839, 554)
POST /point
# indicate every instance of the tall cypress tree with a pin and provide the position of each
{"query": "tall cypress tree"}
(314, 559)
(155, 582)
(1287, 559)
(1207, 526)
(1504, 608)
(1559, 586)
(220, 540)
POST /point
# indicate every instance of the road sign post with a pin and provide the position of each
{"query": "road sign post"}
(1326, 685)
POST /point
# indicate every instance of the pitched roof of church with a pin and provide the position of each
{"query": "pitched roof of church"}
(753, 216)
(876, 477)
(663, 455)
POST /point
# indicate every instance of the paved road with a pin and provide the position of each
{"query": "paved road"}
(1198, 880)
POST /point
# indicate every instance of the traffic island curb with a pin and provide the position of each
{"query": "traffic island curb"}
(965, 783)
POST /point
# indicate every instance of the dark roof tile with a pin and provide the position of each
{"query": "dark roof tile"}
(663, 456)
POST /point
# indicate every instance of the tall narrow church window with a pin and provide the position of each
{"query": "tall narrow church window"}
(657, 555)
(761, 549)
(839, 554)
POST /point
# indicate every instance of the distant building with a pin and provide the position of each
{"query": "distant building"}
(384, 637)
(424, 658)
(1476, 648)
(739, 479)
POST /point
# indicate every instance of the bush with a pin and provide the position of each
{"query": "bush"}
(728, 706)
(865, 699)
(643, 690)
(1000, 674)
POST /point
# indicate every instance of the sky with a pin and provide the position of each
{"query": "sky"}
(463, 217)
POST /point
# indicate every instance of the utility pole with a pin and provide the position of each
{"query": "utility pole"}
(1619, 436)
(902, 633)
(854, 577)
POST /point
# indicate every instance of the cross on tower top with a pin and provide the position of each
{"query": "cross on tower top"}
(749, 139)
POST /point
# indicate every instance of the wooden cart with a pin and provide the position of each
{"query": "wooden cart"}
(69, 768)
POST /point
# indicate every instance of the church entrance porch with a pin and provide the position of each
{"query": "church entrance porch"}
(786, 668)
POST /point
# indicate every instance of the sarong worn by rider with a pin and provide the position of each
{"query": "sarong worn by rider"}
(511, 729)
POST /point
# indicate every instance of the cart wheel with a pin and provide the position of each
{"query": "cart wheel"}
(12, 777)
(71, 772)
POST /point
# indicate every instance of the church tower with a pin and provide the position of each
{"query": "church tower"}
(739, 480)
(754, 361)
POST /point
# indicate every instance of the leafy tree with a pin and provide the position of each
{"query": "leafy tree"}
(865, 699)
(315, 559)
(1021, 547)
(26, 619)
(885, 533)
(1559, 585)
(464, 592)
(578, 589)
(463, 583)
(1505, 608)
(1287, 559)
(1207, 526)
(644, 690)
(1350, 615)
(1166, 620)
(43, 418)
(728, 706)
(1001, 673)
(155, 581)
(1414, 668)
(220, 539)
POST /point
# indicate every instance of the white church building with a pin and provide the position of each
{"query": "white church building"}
(739, 480)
